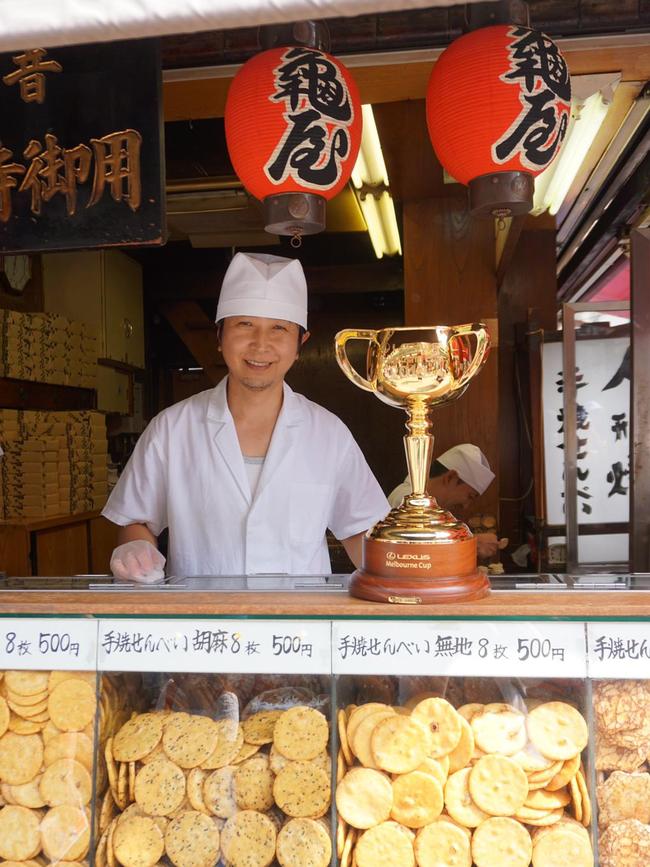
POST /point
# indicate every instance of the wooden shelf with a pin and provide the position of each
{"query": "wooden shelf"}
(61, 544)
(25, 394)
(525, 606)
(121, 365)
(51, 521)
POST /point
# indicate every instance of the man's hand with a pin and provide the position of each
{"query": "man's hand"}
(138, 561)
(353, 547)
(487, 545)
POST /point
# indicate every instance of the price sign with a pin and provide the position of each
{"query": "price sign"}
(618, 650)
(257, 646)
(48, 643)
(466, 648)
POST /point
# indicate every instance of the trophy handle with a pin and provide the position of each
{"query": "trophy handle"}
(340, 342)
(482, 348)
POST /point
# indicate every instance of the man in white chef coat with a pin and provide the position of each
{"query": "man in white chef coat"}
(249, 475)
(458, 476)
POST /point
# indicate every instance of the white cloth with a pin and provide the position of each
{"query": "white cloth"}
(397, 494)
(471, 465)
(187, 473)
(74, 22)
(260, 284)
(253, 471)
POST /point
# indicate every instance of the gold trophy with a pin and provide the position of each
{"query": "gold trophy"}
(419, 552)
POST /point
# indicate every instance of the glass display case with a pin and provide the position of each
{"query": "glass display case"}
(185, 728)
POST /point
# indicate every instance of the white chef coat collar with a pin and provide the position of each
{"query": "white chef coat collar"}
(219, 411)
(225, 438)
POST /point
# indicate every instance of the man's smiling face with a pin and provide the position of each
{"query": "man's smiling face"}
(259, 351)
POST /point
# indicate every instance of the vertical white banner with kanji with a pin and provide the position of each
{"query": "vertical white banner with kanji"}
(603, 449)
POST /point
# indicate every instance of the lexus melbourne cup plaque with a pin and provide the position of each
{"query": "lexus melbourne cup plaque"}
(419, 552)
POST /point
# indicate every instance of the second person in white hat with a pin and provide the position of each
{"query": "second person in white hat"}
(249, 475)
(458, 476)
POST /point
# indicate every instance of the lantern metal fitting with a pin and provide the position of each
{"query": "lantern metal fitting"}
(311, 34)
(502, 12)
(501, 194)
(294, 214)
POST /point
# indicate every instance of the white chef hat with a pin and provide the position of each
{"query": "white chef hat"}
(471, 465)
(259, 284)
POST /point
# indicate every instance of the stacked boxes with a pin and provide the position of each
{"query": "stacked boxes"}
(87, 460)
(31, 467)
(46, 347)
(55, 463)
(10, 433)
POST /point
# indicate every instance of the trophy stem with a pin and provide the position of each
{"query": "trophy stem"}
(418, 445)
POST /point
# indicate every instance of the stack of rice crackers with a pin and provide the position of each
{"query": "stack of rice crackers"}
(194, 790)
(490, 785)
(47, 722)
(622, 710)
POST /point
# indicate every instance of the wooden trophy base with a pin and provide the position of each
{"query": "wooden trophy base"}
(419, 573)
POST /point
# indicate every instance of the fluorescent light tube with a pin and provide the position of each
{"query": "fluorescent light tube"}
(552, 185)
(370, 184)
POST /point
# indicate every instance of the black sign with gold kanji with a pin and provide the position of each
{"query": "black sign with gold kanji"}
(81, 147)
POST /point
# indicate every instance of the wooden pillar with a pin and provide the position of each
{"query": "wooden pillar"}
(640, 402)
(527, 295)
(449, 279)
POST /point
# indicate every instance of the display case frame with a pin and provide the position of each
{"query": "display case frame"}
(575, 611)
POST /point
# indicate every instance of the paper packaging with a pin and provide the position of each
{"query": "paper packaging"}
(31, 499)
(46, 348)
(33, 490)
(56, 462)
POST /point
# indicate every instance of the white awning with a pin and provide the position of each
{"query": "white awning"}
(49, 23)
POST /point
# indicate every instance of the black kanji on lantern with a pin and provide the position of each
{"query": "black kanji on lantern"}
(318, 113)
(535, 57)
(306, 74)
(539, 70)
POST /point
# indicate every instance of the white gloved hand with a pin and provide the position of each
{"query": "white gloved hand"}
(138, 561)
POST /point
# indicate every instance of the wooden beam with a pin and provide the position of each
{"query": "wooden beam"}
(197, 332)
(412, 166)
(384, 276)
(526, 310)
(506, 247)
(640, 402)
(509, 247)
(449, 277)
(197, 98)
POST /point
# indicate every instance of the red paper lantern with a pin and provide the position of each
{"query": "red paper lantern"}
(499, 101)
(293, 128)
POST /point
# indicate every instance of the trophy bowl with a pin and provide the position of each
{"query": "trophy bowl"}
(419, 552)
